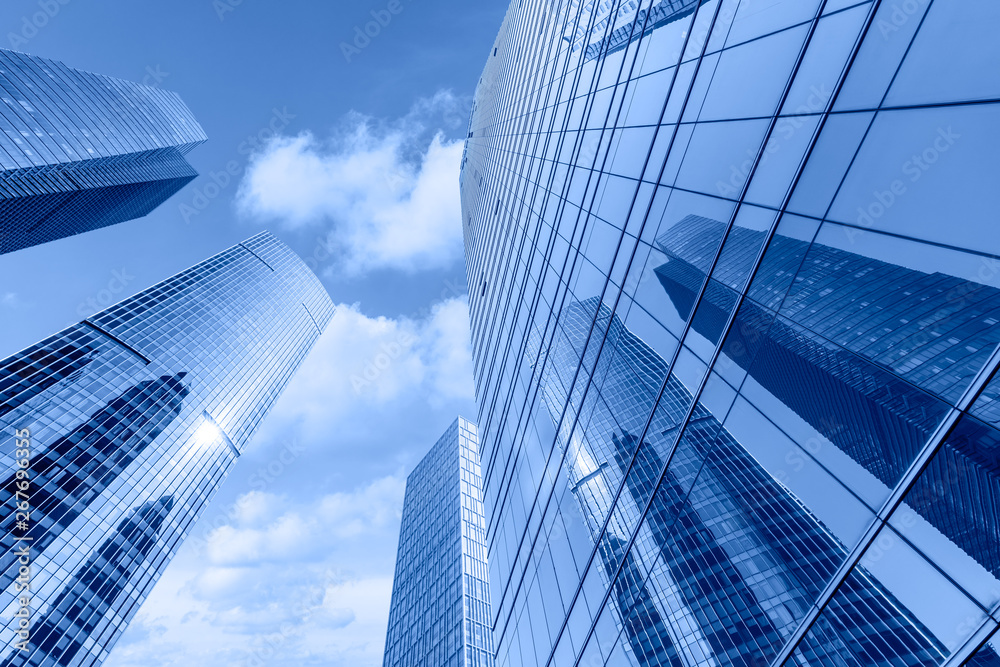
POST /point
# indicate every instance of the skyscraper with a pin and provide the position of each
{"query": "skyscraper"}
(440, 602)
(81, 151)
(125, 426)
(735, 322)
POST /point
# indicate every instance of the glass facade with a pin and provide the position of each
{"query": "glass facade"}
(119, 430)
(81, 151)
(735, 300)
(440, 611)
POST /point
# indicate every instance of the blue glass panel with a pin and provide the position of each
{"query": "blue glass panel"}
(908, 158)
(952, 50)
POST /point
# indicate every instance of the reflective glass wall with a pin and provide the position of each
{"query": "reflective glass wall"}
(80, 151)
(735, 305)
(440, 611)
(118, 431)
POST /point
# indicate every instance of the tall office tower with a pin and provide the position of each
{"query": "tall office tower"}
(125, 425)
(735, 318)
(81, 151)
(440, 609)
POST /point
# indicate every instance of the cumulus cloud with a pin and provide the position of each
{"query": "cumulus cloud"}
(254, 598)
(362, 363)
(306, 532)
(385, 195)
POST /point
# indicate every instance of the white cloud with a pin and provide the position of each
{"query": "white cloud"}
(450, 350)
(386, 195)
(302, 534)
(269, 593)
(9, 300)
(361, 364)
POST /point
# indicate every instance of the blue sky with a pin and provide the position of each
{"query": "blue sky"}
(292, 564)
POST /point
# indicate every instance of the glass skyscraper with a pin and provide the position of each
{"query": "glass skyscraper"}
(735, 300)
(120, 429)
(440, 611)
(81, 151)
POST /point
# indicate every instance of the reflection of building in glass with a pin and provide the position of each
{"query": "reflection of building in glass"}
(154, 398)
(629, 23)
(775, 441)
(82, 464)
(987, 656)
(936, 336)
(83, 609)
(81, 151)
(743, 557)
(440, 601)
(31, 372)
